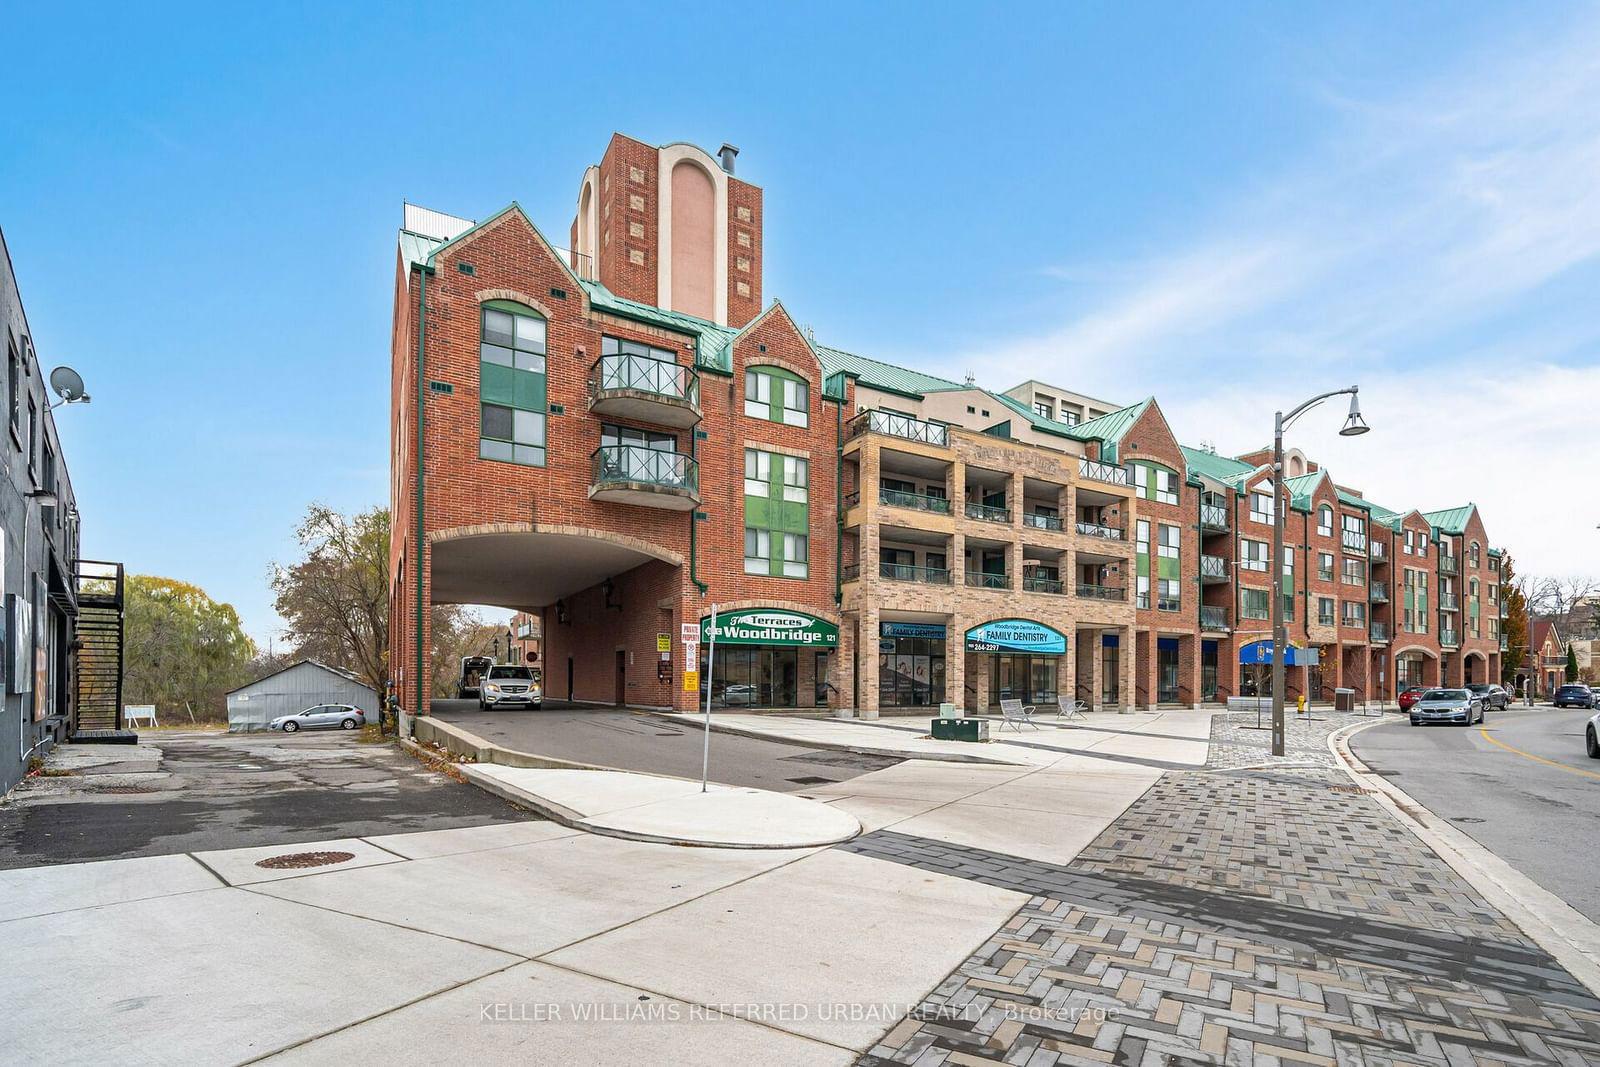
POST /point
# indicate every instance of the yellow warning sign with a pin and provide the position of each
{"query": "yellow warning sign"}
(663, 642)
(691, 681)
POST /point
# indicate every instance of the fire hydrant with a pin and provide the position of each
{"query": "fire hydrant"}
(1300, 704)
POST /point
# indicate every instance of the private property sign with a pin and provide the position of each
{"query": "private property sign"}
(770, 626)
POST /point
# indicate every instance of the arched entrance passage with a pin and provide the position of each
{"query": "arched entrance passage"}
(1474, 668)
(603, 600)
(1415, 665)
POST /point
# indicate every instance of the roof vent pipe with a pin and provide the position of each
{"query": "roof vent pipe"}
(727, 153)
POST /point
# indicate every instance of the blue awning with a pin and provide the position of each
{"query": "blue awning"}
(1260, 652)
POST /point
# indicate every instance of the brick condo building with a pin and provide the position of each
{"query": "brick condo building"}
(617, 435)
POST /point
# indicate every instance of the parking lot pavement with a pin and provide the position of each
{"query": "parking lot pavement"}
(192, 792)
(635, 741)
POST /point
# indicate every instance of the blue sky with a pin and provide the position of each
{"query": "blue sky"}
(1225, 205)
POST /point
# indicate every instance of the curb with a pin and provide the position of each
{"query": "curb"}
(484, 752)
(1552, 923)
(835, 746)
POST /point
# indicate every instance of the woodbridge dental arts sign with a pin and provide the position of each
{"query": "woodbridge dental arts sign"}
(1016, 635)
(768, 626)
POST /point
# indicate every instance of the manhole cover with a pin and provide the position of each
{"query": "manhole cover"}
(296, 860)
(810, 780)
(1465, 818)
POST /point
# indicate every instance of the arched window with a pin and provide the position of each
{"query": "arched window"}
(1474, 554)
(511, 384)
(1325, 521)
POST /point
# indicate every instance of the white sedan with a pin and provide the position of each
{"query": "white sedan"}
(1591, 737)
(320, 717)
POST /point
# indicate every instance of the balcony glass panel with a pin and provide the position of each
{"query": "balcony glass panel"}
(895, 498)
(1105, 533)
(983, 580)
(985, 513)
(902, 426)
(650, 466)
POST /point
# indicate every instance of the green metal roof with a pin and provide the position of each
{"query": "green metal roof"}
(416, 248)
(1451, 520)
(1110, 427)
(1223, 469)
(1301, 487)
(876, 374)
(713, 343)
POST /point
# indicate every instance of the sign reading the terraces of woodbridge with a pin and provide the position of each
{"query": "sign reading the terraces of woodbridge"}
(1016, 635)
(770, 626)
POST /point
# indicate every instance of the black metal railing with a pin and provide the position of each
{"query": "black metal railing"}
(902, 426)
(643, 374)
(898, 498)
(1354, 540)
(987, 513)
(1102, 592)
(1213, 517)
(647, 466)
(1213, 618)
(903, 572)
(1448, 565)
(1380, 631)
(1035, 583)
(1213, 567)
(1377, 550)
(1095, 529)
(985, 580)
(1040, 521)
(1102, 472)
(1378, 592)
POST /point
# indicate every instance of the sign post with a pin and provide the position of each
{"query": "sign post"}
(711, 661)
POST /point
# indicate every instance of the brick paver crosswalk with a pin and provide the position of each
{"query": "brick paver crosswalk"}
(1246, 917)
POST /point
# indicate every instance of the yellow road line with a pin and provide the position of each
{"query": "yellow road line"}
(1484, 730)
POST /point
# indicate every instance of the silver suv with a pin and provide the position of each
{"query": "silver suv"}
(509, 685)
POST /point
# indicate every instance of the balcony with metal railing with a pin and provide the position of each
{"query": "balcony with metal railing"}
(1379, 631)
(1041, 520)
(895, 498)
(1353, 540)
(904, 427)
(637, 387)
(1102, 472)
(1042, 583)
(986, 580)
(987, 513)
(1101, 592)
(1449, 602)
(1449, 565)
(1378, 592)
(1505, 643)
(1097, 530)
(904, 572)
(1378, 550)
(1213, 618)
(1449, 638)
(648, 477)
(1213, 518)
(1213, 569)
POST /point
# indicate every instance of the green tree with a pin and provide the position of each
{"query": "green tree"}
(181, 647)
(1572, 663)
(335, 600)
(1513, 621)
(458, 632)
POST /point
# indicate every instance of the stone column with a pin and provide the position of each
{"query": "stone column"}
(867, 651)
(1066, 688)
(844, 665)
(955, 661)
(1091, 667)
(1127, 664)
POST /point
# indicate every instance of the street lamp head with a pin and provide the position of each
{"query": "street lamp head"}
(1353, 424)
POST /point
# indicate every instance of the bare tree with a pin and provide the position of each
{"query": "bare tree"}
(336, 599)
(1572, 602)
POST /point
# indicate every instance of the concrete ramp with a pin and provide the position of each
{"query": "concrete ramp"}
(643, 807)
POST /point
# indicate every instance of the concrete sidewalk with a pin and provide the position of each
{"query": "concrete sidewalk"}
(537, 940)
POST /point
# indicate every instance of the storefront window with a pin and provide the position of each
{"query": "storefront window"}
(910, 664)
(755, 678)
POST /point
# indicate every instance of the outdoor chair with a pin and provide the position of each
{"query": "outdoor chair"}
(1069, 709)
(1016, 713)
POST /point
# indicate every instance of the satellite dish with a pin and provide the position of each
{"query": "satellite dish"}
(68, 385)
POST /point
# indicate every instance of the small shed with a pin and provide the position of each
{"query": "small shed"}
(296, 688)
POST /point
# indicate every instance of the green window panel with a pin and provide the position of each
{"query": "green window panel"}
(511, 384)
(776, 395)
(775, 524)
(1142, 563)
(495, 384)
(1167, 567)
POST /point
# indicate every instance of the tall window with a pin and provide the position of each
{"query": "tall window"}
(1261, 508)
(1355, 572)
(1155, 483)
(1473, 557)
(1168, 597)
(776, 395)
(14, 383)
(776, 514)
(33, 439)
(1141, 590)
(1254, 604)
(1325, 610)
(1325, 566)
(511, 369)
(1253, 554)
(1325, 521)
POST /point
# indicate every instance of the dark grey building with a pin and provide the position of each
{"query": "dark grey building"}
(61, 617)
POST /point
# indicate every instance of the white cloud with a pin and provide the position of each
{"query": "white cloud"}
(1420, 250)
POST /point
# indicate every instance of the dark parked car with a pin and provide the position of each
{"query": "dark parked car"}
(1493, 696)
(1447, 705)
(1574, 696)
(1410, 695)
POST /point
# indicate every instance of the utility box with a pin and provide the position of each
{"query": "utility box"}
(1344, 700)
(950, 711)
(960, 729)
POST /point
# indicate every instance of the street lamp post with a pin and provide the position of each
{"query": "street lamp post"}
(1353, 427)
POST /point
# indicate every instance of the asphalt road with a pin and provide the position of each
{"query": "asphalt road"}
(1537, 807)
(636, 741)
(199, 791)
